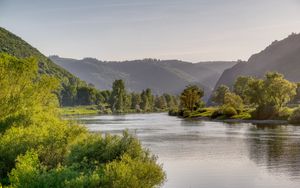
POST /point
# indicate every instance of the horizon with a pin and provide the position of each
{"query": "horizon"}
(194, 31)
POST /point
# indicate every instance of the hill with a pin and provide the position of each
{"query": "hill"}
(169, 76)
(14, 45)
(281, 56)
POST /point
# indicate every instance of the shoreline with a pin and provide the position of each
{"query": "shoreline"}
(253, 121)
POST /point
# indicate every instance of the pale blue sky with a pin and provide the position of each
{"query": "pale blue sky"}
(192, 30)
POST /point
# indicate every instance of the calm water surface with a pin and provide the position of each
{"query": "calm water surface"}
(201, 154)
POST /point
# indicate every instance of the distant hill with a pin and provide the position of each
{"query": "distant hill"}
(169, 76)
(14, 45)
(281, 56)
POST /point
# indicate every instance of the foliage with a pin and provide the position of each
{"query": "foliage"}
(269, 95)
(233, 100)
(79, 110)
(229, 111)
(274, 90)
(20, 98)
(241, 86)
(218, 96)
(118, 96)
(295, 116)
(190, 98)
(39, 149)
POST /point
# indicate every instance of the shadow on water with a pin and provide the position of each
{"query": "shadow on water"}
(276, 147)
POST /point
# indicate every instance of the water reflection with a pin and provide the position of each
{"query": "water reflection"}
(276, 147)
(213, 154)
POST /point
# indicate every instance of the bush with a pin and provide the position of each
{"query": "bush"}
(95, 161)
(229, 111)
(217, 113)
(295, 117)
(284, 113)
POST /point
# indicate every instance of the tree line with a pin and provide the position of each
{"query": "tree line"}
(251, 97)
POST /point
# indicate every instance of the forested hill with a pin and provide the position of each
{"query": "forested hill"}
(169, 76)
(14, 45)
(281, 56)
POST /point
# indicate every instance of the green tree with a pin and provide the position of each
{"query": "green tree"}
(86, 95)
(160, 102)
(135, 101)
(241, 86)
(147, 102)
(219, 95)
(191, 97)
(233, 100)
(118, 96)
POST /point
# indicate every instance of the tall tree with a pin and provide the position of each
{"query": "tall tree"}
(118, 96)
(191, 97)
(219, 95)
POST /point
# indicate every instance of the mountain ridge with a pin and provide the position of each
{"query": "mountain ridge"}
(162, 76)
(281, 56)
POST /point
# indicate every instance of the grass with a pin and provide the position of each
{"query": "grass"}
(79, 110)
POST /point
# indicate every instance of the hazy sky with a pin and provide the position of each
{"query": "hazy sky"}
(192, 30)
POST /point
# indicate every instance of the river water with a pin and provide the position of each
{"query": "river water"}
(203, 154)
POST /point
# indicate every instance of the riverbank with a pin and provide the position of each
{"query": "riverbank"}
(93, 110)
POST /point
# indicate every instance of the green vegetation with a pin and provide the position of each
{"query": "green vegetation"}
(251, 98)
(71, 87)
(79, 110)
(39, 149)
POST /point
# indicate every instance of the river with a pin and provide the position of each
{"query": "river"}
(204, 154)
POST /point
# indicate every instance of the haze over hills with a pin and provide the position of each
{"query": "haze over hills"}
(281, 56)
(169, 76)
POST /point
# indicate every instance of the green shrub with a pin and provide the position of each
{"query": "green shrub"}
(229, 111)
(217, 113)
(295, 117)
(265, 112)
(284, 113)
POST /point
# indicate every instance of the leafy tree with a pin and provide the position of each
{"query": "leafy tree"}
(135, 100)
(39, 149)
(233, 100)
(279, 90)
(118, 96)
(147, 100)
(270, 94)
(160, 102)
(219, 95)
(86, 95)
(241, 86)
(191, 97)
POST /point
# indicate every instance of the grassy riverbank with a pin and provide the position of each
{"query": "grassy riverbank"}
(243, 116)
(79, 110)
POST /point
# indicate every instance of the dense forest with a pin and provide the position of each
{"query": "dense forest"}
(40, 149)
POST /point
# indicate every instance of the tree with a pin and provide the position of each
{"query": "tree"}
(118, 96)
(160, 102)
(86, 95)
(279, 90)
(190, 97)
(270, 94)
(147, 100)
(233, 100)
(241, 86)
(135, 101)
(219, 95)
(39, 149)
